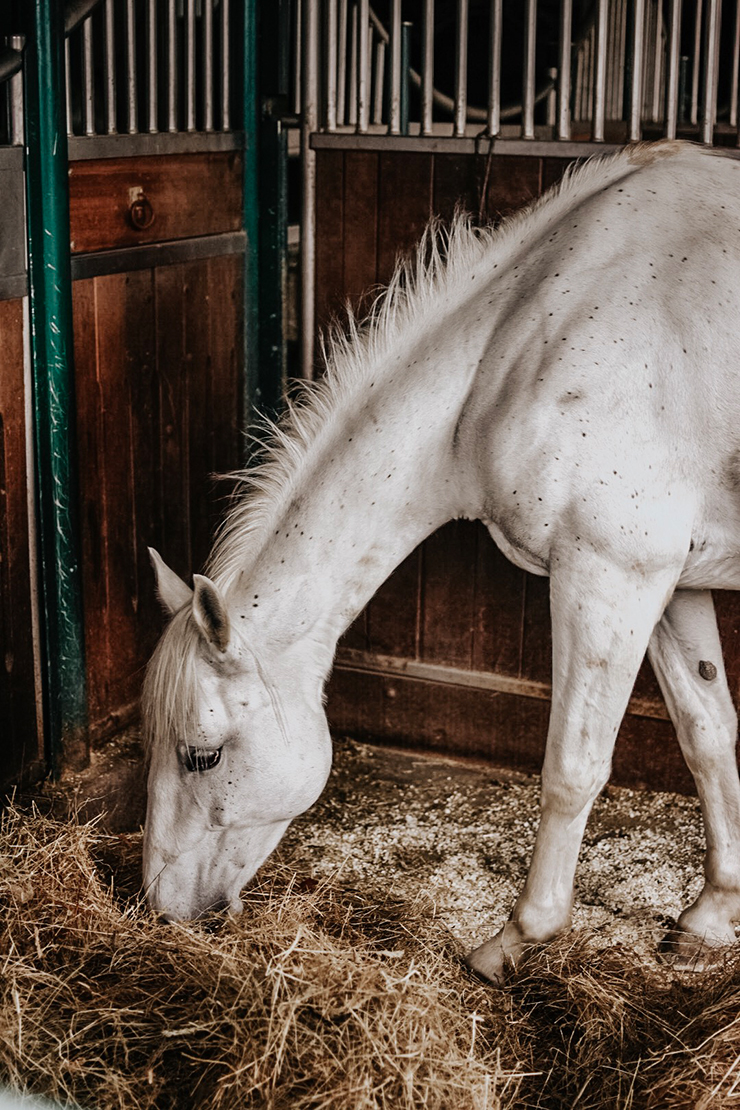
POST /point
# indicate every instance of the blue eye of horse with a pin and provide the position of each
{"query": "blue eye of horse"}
(201, 759)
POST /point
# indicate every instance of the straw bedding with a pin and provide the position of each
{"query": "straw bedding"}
(320, 996)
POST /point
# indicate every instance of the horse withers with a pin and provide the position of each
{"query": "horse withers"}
(571, 380)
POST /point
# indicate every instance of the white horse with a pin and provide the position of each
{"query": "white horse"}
(571, 380)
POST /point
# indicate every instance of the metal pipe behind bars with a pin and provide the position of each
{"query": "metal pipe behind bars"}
(494, 69)
(68, 86)
(379, 81)
(711, 55)
(88, 101)
(528, 91)
(131, 67)
(363, 66)
(461, 67)
(208, 65)
(427, 69)
(395, 94)
(696, 66)
(637, 54)
(331, 65)
(309, 123)
(674, 45)
(342, 63)
(172, 65)
(352, 104)
(15, 93)
(566, 33)
(151, 44)
(599, 115)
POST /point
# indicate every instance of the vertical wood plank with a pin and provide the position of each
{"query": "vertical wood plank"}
(360, 227)
(329, 236)
(447, 618)
(512, 183)
(499, 610)
(404, 206)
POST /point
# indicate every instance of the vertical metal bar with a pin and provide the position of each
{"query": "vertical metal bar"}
(88, 101)
(309, 123)
(427, 69)
(655, 114)
(68, 86)
(53, 379)
(342, 62)
(225, 67)
(208, 65)
(190, 65)
(528, 92)
(395, 95)
(600, 76)
(674, 44)
(352, 107)
(151, 43)
(696, 65)
(735, 68)
(273, 245)
(131, 67)
(379, 81)
(711, 55)
(250, 210)
(405, 66)
(172, 65)
(331, 65)
(566, 33)
(16, 97)
(110, 70)
(494, 69)
(461, 67)
(637, 52)
(298, 10)
(363, 68)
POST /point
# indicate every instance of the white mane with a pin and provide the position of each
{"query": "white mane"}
(435, 275)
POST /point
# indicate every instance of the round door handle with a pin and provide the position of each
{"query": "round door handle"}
(141, 213)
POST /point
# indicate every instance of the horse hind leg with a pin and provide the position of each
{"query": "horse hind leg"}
(602, 618)
(686, 656)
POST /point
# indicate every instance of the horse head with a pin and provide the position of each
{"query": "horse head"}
(238, 746)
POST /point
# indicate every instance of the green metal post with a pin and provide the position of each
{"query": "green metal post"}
(252, 391)
(53, 378)
(273, 246)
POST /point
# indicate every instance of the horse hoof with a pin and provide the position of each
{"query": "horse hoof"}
(498, 955)
(684, 951)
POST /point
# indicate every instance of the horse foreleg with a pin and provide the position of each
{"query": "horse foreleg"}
(686, 655)
(602, 618)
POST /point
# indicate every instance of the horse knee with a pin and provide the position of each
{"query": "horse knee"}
(570, 785)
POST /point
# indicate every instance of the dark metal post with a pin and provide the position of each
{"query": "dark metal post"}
(251, 217)
(53, 379)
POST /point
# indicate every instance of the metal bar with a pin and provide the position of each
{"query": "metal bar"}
(352, 105)
(363, 67)
(395, 93)
(88, 98)
(711, 56)
(342, 62)
(427, 69)
(250, 215)
(131, 68)
(696, 66)
(331, 65)
(53, 379)
(151, 43)
(461, 67)
(309, 124)
(599, 115)
(273, 264)
(637, 52)
(172, 65)
(449, 144)
(379, 81)
(146, 256)
(674, 44)
(566, 33)
(528, 93)
(190, 65)
(208, 65)
(656, 115)
(16, 97)
(493, 120)
(735, 68)
(298, 69)
(225, 68)
(110, 70)
(68, 86)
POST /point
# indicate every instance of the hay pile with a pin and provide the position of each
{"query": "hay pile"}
(320, 997)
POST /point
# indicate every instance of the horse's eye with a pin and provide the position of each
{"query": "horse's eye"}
(201, 759)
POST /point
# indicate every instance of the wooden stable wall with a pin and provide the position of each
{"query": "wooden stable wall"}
(158, 363)
(454, 653)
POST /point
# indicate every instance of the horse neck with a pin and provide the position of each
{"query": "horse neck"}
(376, 481)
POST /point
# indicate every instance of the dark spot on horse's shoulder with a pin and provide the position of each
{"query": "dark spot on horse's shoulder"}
(707, 670)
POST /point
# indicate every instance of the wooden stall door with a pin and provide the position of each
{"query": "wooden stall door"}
(454, 651)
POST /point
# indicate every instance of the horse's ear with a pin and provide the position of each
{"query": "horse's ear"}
(171, 590)
(210, 613)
